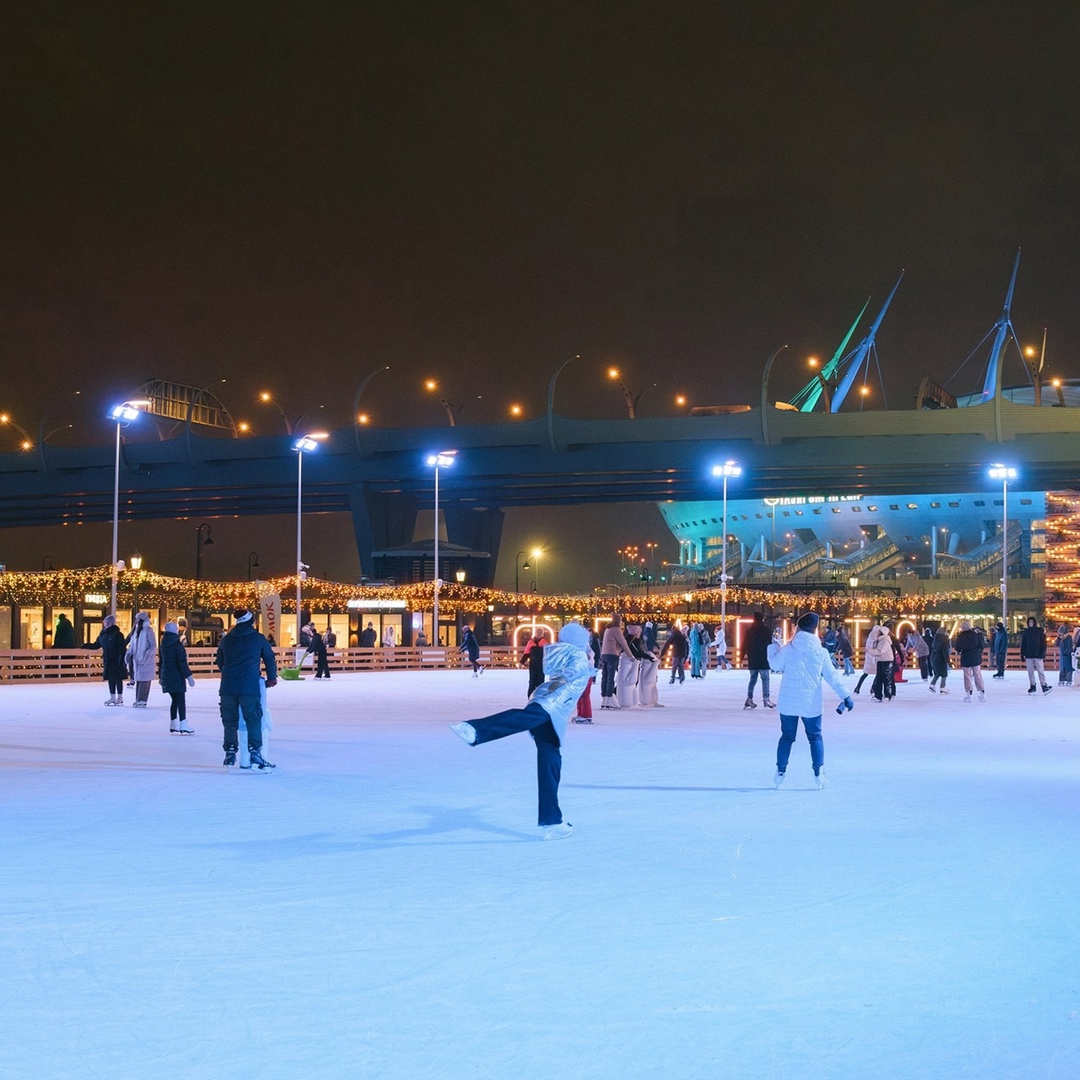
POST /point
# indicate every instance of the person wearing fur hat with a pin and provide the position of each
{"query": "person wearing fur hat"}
(142, 654)
(239, 656)
(803, 665)
(175, 677)
(567, 670)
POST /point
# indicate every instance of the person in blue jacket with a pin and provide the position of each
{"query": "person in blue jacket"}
(238, 658)
(567, 670)
(804, 665)
(471, 647)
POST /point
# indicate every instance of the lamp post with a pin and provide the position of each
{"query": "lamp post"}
(305, 444)
(518, 567)
(729, 468)
(123, 413)
(253, 562)
(200, 543)
(135, 563)
(1004, 473)
(268, 399)
(442, 460)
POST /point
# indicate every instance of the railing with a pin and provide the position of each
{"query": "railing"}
(76, 665)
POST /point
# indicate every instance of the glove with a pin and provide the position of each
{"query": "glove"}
(191, 680)
(271, 683)
(847, 703)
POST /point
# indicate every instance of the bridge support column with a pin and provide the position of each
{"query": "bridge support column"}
(480, 530)
(380, 521)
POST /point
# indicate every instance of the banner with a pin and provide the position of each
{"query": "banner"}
(269, 613)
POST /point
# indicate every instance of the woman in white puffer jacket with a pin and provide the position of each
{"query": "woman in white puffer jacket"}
(804, 664)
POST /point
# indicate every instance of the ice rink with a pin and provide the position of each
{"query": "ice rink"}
(381, 906)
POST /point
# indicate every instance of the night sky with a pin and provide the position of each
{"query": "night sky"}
(288, 196)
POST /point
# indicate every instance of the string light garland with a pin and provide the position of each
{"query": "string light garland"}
(69, 588)
(1063, 557)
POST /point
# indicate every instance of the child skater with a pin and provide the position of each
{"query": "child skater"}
(804, 664)
(567, 668)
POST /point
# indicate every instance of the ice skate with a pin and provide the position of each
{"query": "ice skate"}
(258, 759)
(174, 728)
(982, 697)
(465, 731)
(582, 720)
(1046, 689)
(1031, 689)
(967, 697)
(943, 691)
(770, 704)
(186, 729)
(749, 704)
(230, 759)
(778, 778)
(556, 832)
(114, 700)
(932, 688)
(820, 780)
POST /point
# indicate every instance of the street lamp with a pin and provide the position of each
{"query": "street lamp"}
(27, 443)
(123, 413)
(1004, 473)
(729, 468)
(268, 399)
(253, 562)
(442, 460)
(200, 543)
(305, 444)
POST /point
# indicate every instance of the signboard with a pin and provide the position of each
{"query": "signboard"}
(377, 605)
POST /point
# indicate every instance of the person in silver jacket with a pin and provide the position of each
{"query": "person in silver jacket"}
(567, 670)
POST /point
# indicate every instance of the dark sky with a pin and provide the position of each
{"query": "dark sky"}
(288, 196)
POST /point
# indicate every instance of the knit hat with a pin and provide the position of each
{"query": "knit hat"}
(109, 620)
(172, 628)
(809, 622)
(241, 615)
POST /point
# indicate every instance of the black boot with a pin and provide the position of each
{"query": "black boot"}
(258, 759)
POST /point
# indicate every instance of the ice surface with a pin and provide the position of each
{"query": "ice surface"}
(381, 906)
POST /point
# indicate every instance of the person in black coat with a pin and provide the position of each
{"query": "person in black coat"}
(240, 654)
(369, 637)
(175, 677)
(113, 649)
(471, 647)
(317, 646)
(533, 655)
(756, 643)
(64, 635)
(679, 647)
(1033, 653)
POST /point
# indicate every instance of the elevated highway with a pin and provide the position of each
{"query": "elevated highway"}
(379, 476)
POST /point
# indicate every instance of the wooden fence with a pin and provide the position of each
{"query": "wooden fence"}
(21, 665)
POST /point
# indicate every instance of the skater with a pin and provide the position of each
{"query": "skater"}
(845, 650)
(471, 646)
(612, 648)
(113, 669)
(939, 660)
(970, 644)
(176, 677)
(266, 725)
(697, 649)
(317, 646)
(720, 644)
(1033, 653)
(804, 664)
(533, 655)
(999, 649)
(142, 654)
(544, 717)
(756, 650)
(879, 650)
(368, 637)
(626, 679)
(584, 703)
(678, 646)
(917, 647)
(238, 658)
(648, 662)
(1065, 654)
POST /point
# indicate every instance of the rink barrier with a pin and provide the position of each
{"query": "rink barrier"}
(76, 665)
